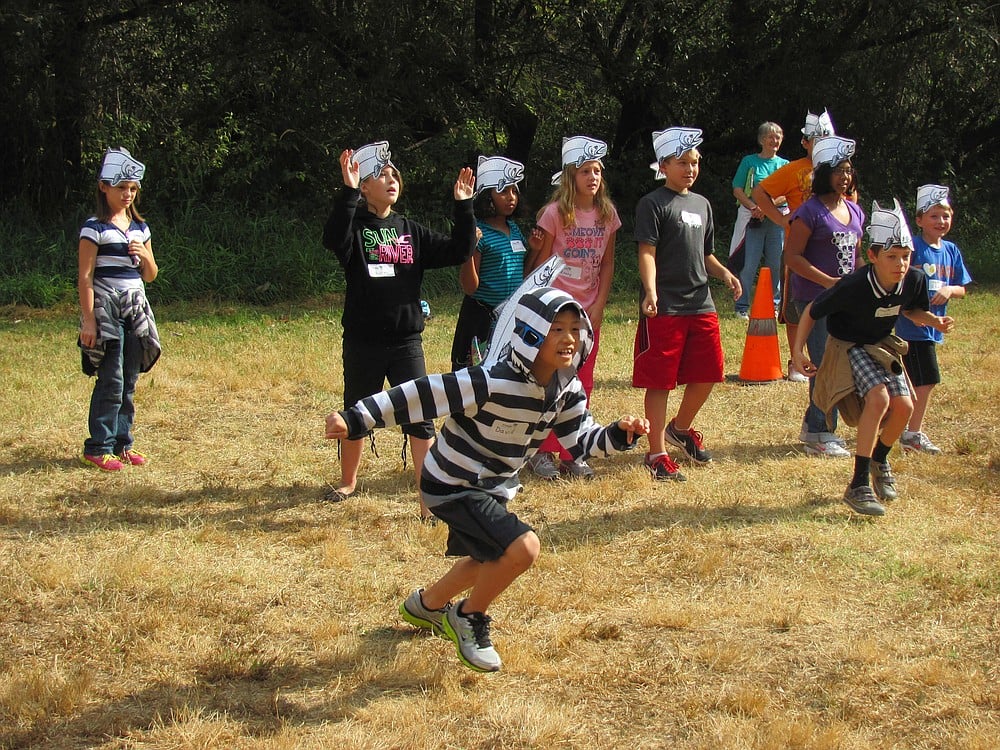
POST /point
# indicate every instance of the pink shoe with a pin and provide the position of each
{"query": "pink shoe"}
(107, 462)
(131, 457)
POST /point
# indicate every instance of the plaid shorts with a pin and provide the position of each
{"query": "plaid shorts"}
(868, 373)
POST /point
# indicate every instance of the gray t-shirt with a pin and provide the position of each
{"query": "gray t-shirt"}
(681, 229)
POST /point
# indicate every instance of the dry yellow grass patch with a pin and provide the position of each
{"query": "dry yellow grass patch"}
(212, 600)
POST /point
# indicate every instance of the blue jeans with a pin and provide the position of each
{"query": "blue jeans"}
(112, 405)
(765, 241)
(814, 419)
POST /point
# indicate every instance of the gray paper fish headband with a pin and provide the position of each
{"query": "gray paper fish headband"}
(119, 166)
(818, 126)
(889, 228)
(497, 173)
(578, 150)
(372, 159)
(832, 150)
(931, 195)
(675, 141)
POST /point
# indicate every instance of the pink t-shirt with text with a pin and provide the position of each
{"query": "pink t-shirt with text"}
(582, 247)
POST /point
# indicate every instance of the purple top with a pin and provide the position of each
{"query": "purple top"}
(832, 246)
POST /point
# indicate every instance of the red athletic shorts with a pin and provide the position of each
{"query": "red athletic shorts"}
(672, 350)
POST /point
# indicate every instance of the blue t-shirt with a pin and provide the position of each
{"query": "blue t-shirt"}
(754, 168)
(501, 265)
(943, 266)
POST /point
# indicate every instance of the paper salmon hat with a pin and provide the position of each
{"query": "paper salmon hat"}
(498, 173)
(888, 228)
(372, 158)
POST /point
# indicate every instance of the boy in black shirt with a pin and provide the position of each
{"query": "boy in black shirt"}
(862, 309)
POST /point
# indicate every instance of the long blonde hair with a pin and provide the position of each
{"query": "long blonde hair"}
(564, 196)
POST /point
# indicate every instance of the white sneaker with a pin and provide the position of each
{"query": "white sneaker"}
(794, 376)
(918, 442)
(827, 449)
(543, 466)
(471, 636)
(577, 469)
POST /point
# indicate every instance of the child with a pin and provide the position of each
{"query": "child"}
(384, 256)
(778, 196)
(677, 341)
(862, 358)
(496, 418)
(947, 277)
(760, 238)
(824, 239)
(579, 225)
(118, 335)
(496, 268)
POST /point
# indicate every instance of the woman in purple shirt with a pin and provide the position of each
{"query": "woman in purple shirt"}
(824, 237)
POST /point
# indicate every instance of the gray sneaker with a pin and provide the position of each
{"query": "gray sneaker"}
(862, 500)
(471, 636)
(543, 466)
(918, 442)
(577, 469)
(883, 483)
(414, 612)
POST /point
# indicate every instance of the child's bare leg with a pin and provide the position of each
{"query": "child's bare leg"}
(695, 396)
(350, 461)
(462, 576)
(920, 403)
(900, 409)
(496, 575)
(876, 405)
(418, 451)
(655, 409)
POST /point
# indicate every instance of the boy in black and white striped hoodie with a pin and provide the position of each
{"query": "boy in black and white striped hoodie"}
(497, 417)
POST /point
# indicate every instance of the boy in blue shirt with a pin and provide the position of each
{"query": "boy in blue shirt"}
(862, 359)
(941, 261)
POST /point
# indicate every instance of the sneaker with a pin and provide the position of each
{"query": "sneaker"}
(827, 449)
(743, 314)
(132, 457)
(862, 500)
(414, 612)
(107, 462)
(577, 469)
(543, 466)
(883, 482)
(663, 468)
(918, 442)
(794, 376)
(471, 636)
(689, 441)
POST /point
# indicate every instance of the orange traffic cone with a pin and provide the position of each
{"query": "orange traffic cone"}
(761, 359)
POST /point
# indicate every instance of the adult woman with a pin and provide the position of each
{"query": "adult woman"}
(823, 240)
(761, 238)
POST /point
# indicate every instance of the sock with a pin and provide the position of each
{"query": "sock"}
(862, 465)
(881, 452)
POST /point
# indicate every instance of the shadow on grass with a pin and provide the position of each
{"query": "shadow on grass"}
(250, 690)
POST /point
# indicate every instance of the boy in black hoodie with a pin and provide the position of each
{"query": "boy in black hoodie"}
(384, 256)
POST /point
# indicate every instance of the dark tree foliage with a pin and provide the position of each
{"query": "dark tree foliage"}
(248, 104)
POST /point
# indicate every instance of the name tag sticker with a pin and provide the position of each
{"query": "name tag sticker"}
(572, 272)
(381, 270)
(505, 429)
(935, 284)
(517, 246)
(887, 312)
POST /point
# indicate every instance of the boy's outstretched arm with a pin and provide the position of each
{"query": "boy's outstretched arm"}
(633, 426)
(799, 358)
(943, 323)
(336, 427)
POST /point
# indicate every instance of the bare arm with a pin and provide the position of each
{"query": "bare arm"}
(799, 358)
(87, 260)
(535, 259)
(766, 204)
(748, 203)
(647, 275)
(607, 272)
(943, 323)
(468, 274)
(720, 272)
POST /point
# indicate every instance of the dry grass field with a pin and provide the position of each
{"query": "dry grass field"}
(212, 600)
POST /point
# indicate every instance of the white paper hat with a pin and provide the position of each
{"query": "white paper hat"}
(119, 166)
(580, 149)
(889, 228)
(498, 173)
(818, 126)
(832, 150)
(931, 195)
(675, 141)
(372, 159)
